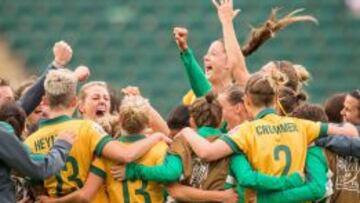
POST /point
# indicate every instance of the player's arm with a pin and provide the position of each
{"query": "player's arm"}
(344, 146)
(14, 155)
(209, 151)
(190, 194)
(83, 195)
(156, 121)
(198, 81)
(116, 151)
(313, 190)
(247, 177)
(32, 98)
(235, 58)
(346, 129)
(167, 172)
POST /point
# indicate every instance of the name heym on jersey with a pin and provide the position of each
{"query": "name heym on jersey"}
(276, 129)
(44, 143)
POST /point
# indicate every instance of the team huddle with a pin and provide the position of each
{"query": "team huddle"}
(235, 137)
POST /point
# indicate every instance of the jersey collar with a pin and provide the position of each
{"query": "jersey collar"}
(131, 138)
(265, 112)
(209, 131)
(52, 121)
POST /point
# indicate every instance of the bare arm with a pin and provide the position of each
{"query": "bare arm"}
(209, 151)
(157, 122)
(235, 57)
(116, 151)
(84, 195)
(190, 194)
(347, 129)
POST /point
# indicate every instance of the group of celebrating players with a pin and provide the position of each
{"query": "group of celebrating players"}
(236, 137)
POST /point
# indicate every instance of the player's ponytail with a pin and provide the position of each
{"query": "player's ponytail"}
(206, 111)
(288, 100)
(263, 87)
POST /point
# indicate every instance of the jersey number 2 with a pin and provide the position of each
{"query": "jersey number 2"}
(287, 152)
(73, 177)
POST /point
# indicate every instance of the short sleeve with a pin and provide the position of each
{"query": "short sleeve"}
(98, 138)
(237, 138)
(98, 167)
(314, 130)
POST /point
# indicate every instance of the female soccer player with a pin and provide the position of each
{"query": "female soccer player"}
(268, 136)
(134, 121)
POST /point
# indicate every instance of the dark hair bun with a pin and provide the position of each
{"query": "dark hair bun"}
(210, 97)
(302, 96)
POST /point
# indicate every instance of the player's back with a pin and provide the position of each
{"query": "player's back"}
(90, 138)
(277, 145)
(138, 190)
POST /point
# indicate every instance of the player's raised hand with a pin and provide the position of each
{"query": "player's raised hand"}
(180, 35)
(82, 73)
(225, 10)
(131, 91)
(62, 53)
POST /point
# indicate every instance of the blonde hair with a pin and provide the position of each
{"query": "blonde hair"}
(297, 74)
(263, 87)
(133, 120)
(82, 92)
(60, 87)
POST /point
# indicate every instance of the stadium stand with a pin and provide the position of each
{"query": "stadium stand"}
(130, 42)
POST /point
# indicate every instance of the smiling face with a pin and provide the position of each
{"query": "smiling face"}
(350, 111)
(95, 103)
(215, 62)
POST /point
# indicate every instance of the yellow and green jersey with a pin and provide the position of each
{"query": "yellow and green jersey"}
(90, 140)
(138, 190)
(275, 145)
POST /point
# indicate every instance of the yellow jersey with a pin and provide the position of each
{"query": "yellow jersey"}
(189, 98)
(133, 191)
(90, 139)
(273, 144)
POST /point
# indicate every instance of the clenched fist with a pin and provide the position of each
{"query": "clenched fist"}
(62, 53)
(82, 73)
(181, 34)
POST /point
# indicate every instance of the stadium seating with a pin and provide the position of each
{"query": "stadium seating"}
(130, 42)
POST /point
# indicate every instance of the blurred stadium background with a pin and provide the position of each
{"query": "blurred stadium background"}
(128, 42)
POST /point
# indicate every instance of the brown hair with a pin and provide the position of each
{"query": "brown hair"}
(60, 87)
(310, 112)
(13, 115)
(23, 86)
(297, 74)
(206, 111)
(333, 107)
(263, 87)
(179, 118)
(4, 82)
(133, 120)
(235, 94)
(356, 95)
(289, 99)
